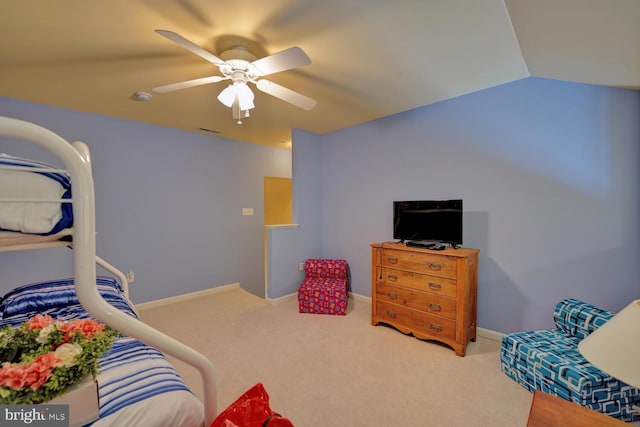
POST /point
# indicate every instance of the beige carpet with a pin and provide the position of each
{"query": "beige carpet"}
(339, 370)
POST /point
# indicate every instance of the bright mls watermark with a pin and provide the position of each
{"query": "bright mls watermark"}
(34, 415)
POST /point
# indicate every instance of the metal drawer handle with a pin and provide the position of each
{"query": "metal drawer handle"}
(392, 260)
(392, 278)
(435, 286)
(435, 266)
(391, 314)
(392, 295)
(435, 327)
(435, 307)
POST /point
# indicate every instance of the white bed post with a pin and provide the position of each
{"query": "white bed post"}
(84, 254)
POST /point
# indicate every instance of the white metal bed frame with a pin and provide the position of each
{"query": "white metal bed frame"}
(77, 161)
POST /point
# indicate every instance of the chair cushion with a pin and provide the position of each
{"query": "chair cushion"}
(578, 318)
(330, 268)
(323, 283)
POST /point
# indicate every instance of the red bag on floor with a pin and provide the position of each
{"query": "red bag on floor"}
(251, 410)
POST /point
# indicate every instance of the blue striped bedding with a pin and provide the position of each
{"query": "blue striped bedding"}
(137, 385)
(33, 218)
(52, 294)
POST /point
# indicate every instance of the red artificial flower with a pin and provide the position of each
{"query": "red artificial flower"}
(39, 370)
(87, 327)
(33, 374)
(39, 321)
(12, 376)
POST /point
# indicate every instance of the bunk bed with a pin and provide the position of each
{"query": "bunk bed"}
(136, 384)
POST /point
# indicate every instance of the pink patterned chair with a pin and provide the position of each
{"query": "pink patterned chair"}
(325, 288)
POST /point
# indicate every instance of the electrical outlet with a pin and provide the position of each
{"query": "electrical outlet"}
(130, 276)
(301, 266)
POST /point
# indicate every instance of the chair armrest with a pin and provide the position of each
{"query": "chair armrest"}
(579, 318)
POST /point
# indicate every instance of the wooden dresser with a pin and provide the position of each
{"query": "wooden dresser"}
(430, 294)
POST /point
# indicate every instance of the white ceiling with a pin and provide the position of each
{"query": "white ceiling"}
(370, 58)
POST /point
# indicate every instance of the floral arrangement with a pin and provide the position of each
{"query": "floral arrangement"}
(42, 358)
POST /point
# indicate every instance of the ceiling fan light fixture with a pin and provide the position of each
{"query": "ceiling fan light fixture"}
(228, 95)
(239, 91)
(245, 97)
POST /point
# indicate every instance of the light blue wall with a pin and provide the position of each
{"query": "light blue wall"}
(287, 248)
(548, 172)
(168, 204)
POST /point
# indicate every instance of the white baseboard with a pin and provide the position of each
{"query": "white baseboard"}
(360, 297)
(489, 334)
(284, 298)
(186, 297)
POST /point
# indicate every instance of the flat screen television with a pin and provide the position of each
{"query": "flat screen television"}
(435, 221)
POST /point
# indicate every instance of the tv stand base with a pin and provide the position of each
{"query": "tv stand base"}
(426, 245)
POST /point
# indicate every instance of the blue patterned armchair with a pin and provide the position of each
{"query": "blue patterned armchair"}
(548, 360)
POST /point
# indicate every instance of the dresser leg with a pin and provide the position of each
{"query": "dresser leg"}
(460, 350)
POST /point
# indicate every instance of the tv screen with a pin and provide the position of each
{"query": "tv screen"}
(428, 220)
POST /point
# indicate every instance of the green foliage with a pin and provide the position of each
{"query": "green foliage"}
(16, 344)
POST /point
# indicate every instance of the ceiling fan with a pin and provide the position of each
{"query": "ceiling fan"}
(241, 67)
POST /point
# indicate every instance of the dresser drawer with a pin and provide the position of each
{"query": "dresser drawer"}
(419, 323)
(416, 261)
(428, 303)
(421, 282)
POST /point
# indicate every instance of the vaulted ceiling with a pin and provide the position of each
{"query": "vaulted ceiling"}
(370, 58)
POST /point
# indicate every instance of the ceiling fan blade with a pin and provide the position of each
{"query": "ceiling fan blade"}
(187, 84)
(293, 57)
(178, 39)
(285, 94)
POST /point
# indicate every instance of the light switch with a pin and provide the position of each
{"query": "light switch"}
(247, 211)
